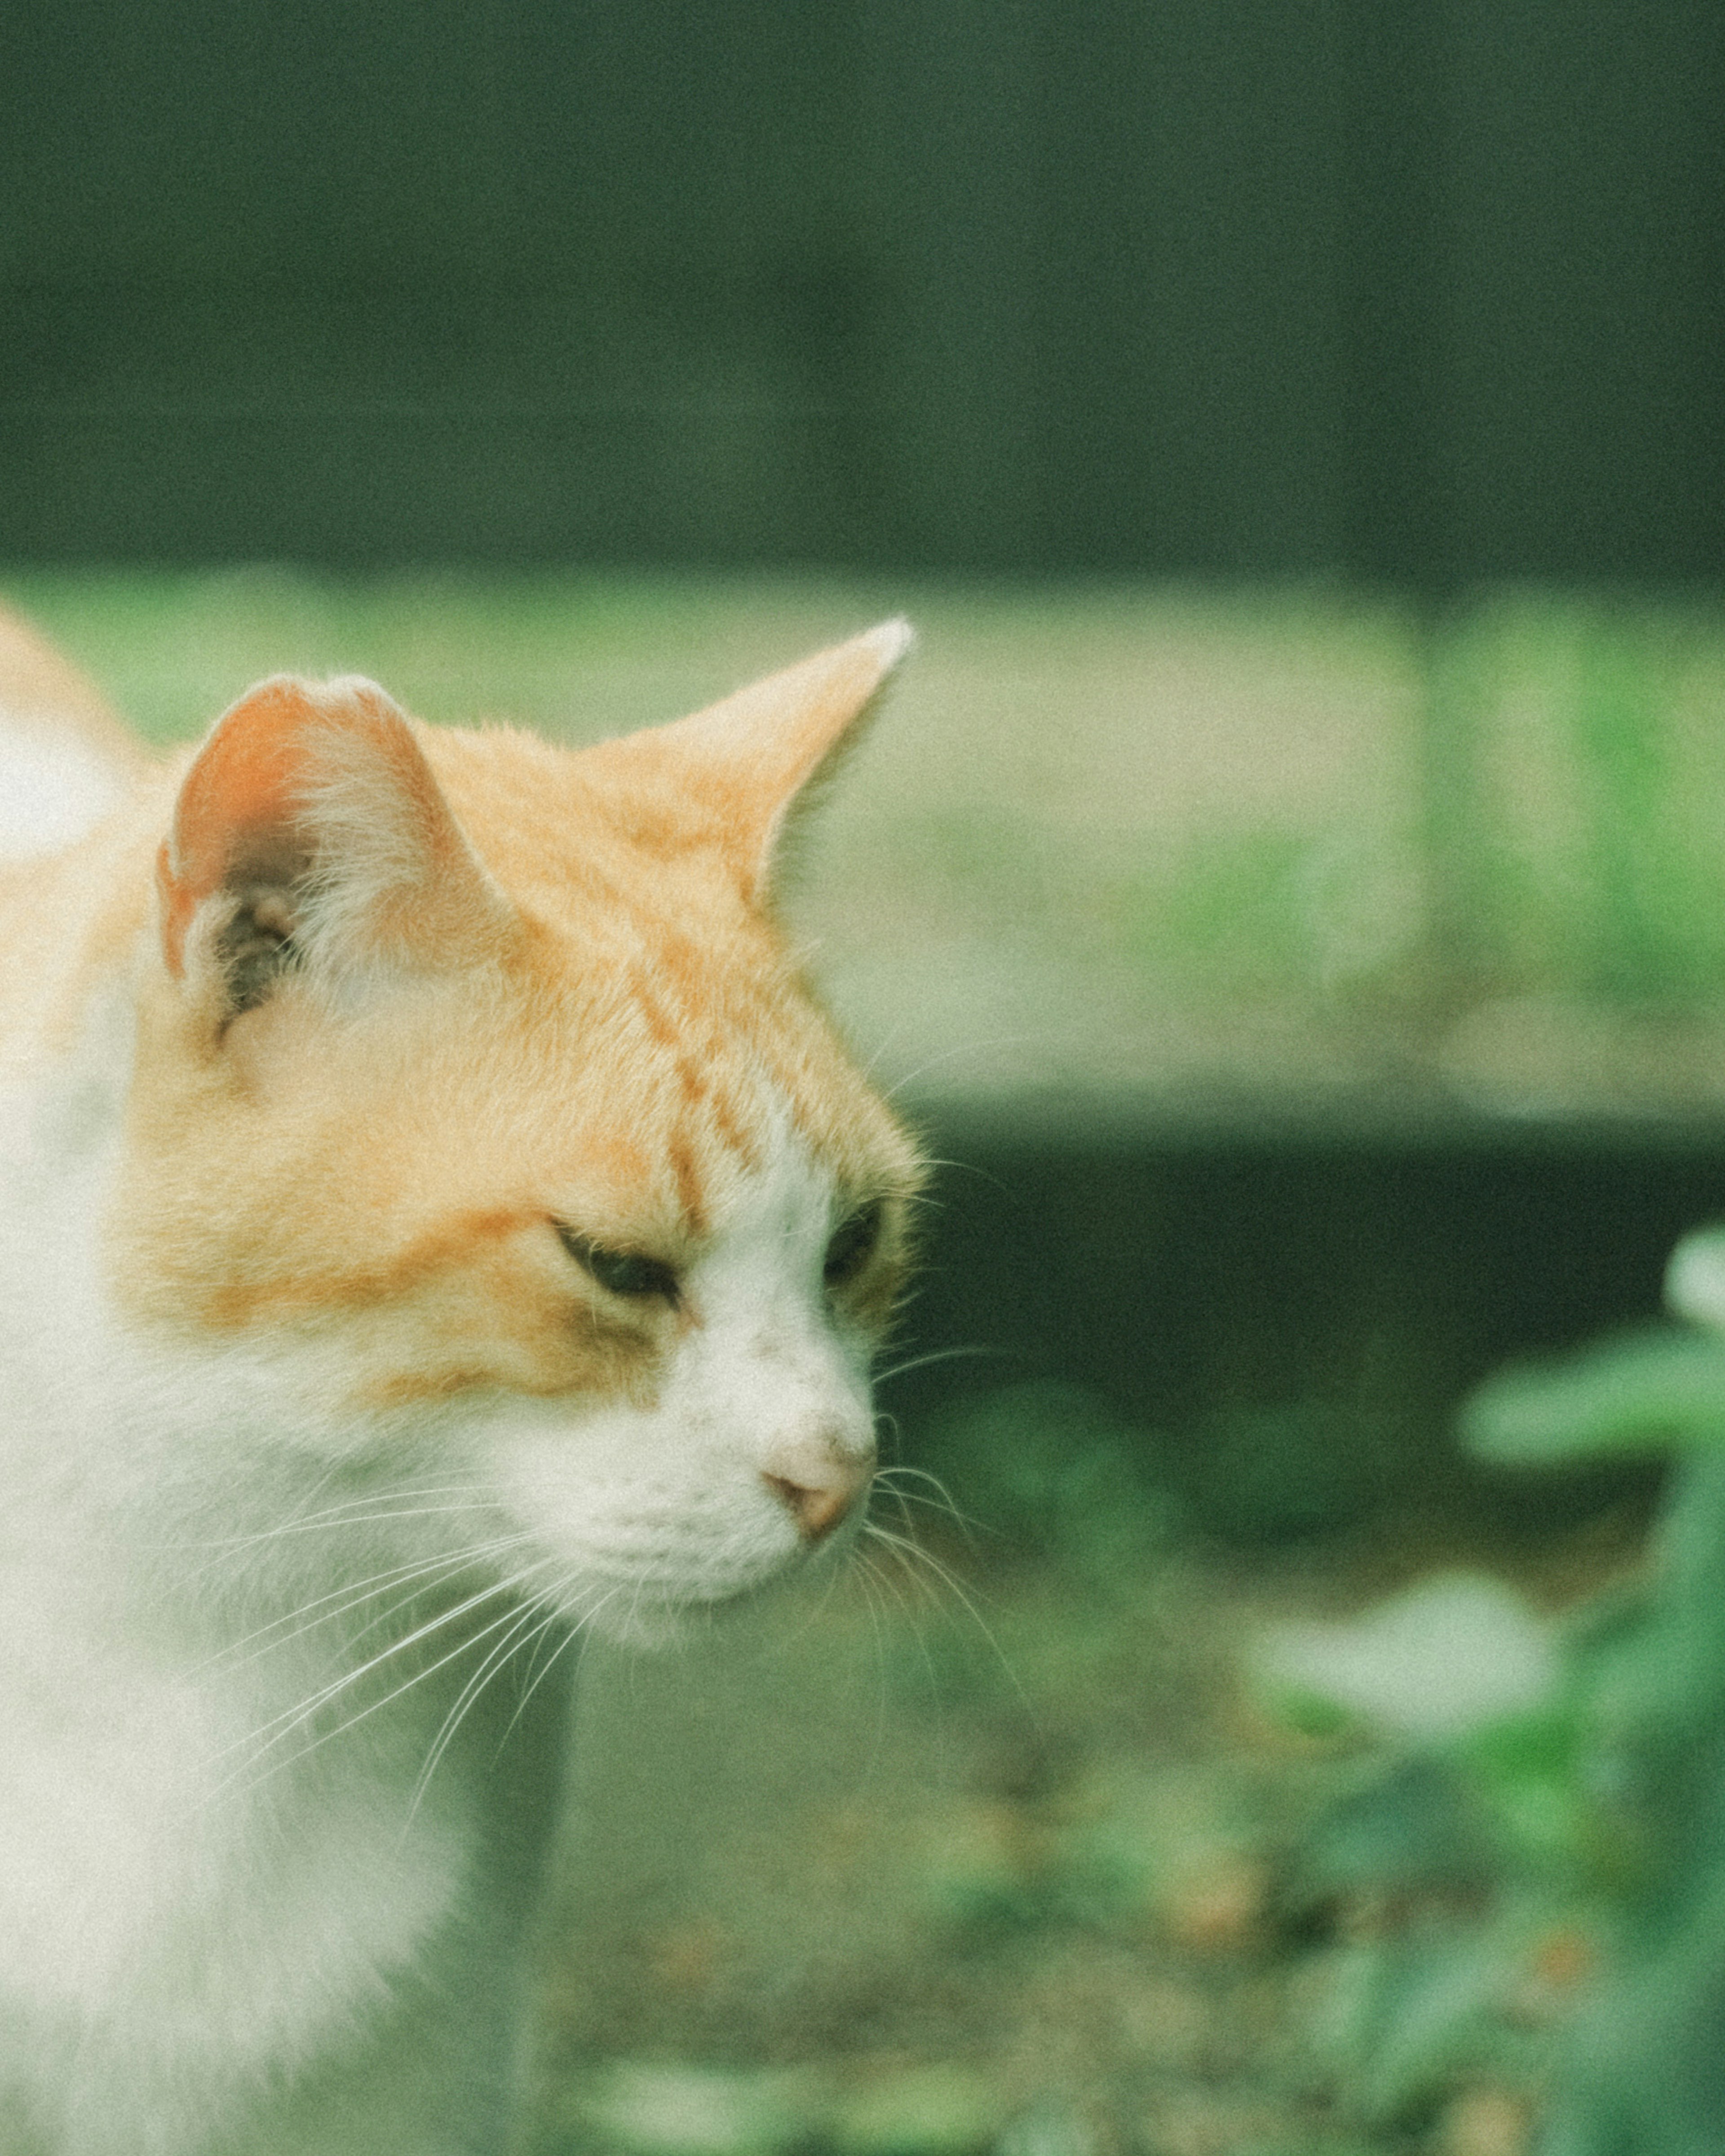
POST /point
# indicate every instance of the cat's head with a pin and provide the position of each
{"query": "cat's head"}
(484, 1138)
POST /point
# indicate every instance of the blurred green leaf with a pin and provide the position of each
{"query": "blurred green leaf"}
(1052, 1469)
(1695, 1278)
(1456, 1650)
(1644, 1393)
(1439, 2016)
(1413, 1825)
(918, 2111)
(1306, 1712)
(1532, 1775)
(653, 2108)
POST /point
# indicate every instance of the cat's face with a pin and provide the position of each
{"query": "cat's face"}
(482, 1116)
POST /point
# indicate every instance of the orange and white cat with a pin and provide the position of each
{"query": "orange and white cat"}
(434, 1219)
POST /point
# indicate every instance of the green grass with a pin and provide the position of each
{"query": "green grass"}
(1577, 796)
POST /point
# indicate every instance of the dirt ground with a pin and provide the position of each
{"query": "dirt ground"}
(890, 1874)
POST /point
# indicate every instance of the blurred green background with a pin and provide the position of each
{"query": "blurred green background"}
(1287, 890)
(1421, 293)
(1312, 1003)
(1175, 854)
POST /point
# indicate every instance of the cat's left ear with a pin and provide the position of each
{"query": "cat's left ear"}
(755, 763)
(309, 836)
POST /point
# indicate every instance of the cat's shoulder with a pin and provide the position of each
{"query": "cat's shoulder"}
(66, 759)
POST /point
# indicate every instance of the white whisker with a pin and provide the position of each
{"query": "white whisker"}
(965, 1048)
(574, 1630)
(935, 1355)
(352, 1595)
(911, 1554)
(382, 1505)
(529, 1618)
(295, 1717)
(887, 1479)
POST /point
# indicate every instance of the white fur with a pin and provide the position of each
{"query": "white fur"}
(53, 786)
(237, 1914)
(647, 1514)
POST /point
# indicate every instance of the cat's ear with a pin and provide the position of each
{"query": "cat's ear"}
(761, 758)
(310, 833)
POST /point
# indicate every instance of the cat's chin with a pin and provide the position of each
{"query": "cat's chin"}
(657, 1625)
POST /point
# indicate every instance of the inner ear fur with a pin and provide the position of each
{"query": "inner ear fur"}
(255, 944)
(310, 832)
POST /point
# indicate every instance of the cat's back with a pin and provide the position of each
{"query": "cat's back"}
(65, 760)
(66, 764)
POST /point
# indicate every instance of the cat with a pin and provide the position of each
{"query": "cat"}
(435, 1221)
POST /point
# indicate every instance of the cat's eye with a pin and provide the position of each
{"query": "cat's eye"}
(852, 1244)
(624, 1273)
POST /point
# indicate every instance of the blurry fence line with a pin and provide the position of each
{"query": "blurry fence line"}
(1418, 294)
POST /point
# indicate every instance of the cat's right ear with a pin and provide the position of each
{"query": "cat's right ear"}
(310, 834)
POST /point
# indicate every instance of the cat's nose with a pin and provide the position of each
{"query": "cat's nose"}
(817, 1482)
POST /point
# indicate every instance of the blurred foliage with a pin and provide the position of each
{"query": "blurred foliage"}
(1054, 1473)
(1122, 837)
(1541, 1897)
(1049, 1471)
(1572, 788)
(638, 2107)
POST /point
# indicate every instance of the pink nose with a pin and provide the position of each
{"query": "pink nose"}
(817, 1485)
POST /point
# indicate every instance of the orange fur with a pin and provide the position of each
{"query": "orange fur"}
(38, 680)
(389, 1169)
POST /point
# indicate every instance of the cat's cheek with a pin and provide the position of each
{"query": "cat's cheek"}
(482, 1324)
(635, 1515)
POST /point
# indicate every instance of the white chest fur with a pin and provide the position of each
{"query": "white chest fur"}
(229, 1660)
(202, 1886)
